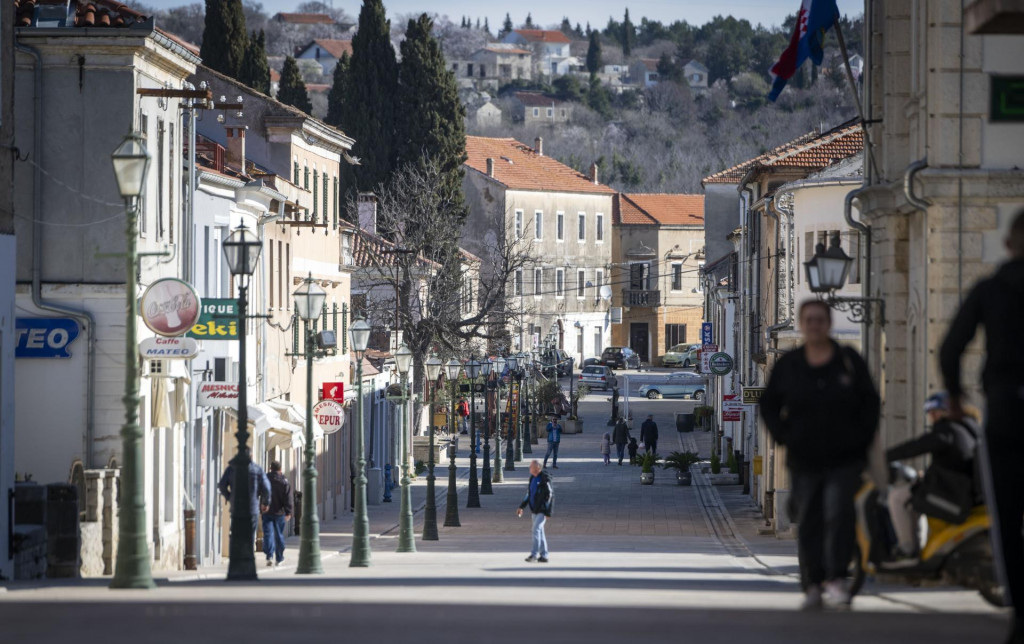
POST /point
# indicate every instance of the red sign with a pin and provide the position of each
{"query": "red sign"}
(170, 307)
(218, 394)
(330, 415)
(732, 408)
(333, 391)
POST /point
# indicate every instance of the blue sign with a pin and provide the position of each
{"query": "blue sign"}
(706, 336)
(44, 337)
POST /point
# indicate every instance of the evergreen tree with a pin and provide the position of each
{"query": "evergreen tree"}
(293, 89)
(598, 98)
(339, 91)
(529, 21)
(578, 32)
(594, 54)
(478, 24)
(430, 122)
(589, 30)
(506, 27)
(368, 113)
(628, 35)
(224, 37)
(255, 71)
(487, 26)
(566, 26)
(669, 70)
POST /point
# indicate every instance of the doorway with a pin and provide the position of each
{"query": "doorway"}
(638, 340)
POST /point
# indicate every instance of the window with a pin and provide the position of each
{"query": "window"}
(551, 112)
(316, 181)
(563, 113)
(852, 239)
(296, 169)
(599, 227)
(674, 334)
(677, 277)
(270, 249)
(581, 235)
(469, 70)
(536, 111)
(560, 226)
(538, 225)
(346, 250)
(160, 178)
(559, 282)
(700, 282)
(518, 289)
(581, 283)
(599, 280)
(639, 276)
(538, 282)
(335, 204)
(519, 224)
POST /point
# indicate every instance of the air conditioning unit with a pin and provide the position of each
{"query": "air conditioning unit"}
(616, 314)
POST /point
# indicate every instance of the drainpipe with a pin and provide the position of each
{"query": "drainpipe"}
(920, 204)
(773, 212)
(83, 316)
(866, 279)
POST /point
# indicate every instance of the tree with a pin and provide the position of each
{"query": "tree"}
(255, 71)
(598, 98)
(628, 35)
(506, 27)
(594, 54)
(368, 113)
(566, 27)
(292, 90)
(339, 91)
(529, 21)
(669, 70)
(578, 32)
(224, 37)
(487, 26)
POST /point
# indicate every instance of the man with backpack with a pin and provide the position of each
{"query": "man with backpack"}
(277, 511)
(462, 409)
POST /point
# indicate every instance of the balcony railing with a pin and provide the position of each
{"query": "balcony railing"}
(636, 297)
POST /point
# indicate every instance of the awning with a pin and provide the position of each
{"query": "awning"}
(292, 413)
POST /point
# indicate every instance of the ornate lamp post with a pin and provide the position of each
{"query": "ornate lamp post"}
(485, 472)
(827, 272)
(512, 435)
(360, 333)
(451, 514)
(537, 404)
(473, 496)
(433, 368)
(498, 476)
(309, 303)
(521, 376)
(131, 163)
(406, 538)
(528, 440)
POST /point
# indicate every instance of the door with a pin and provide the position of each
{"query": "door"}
(597, 342)
(638, 340)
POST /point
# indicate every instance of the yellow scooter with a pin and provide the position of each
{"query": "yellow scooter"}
(959, 554)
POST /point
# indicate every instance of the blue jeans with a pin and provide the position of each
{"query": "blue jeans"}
(621, 450)
(552, 449)
(540, 541)
(273, 536)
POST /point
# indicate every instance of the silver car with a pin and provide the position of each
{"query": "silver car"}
(677, 385)
(680, 355)
(598, 377)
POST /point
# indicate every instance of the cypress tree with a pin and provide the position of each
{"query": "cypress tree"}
(293, 89)
(594, 54)
(529, 21)
(628, 35)
(506, 27)
(224, 37)
(478, 24)
(487, 26)
(339, 91)
(255, 71)
(368, 113)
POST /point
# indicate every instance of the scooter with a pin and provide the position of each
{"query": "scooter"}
(959, 554)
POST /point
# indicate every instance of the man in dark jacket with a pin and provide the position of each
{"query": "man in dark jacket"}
(277, 511)
(997, 303)
(259, 487)
(540, 498)
(620, 437)
(649, 434)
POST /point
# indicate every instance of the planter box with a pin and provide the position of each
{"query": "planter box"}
(647, 478)
(724, 479)
(421, 449)
(572, 426)
(684, 479)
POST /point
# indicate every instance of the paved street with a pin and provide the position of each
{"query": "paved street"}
(628, 562)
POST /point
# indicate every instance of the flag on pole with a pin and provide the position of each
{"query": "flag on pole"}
(813, 20)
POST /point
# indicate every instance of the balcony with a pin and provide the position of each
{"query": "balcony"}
(642, 298)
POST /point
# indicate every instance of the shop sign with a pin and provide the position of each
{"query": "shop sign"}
(330, 414)
(168, 348)
(706, 351)
(732, 408)
(720, 364)
(706, 333)
(332, 391)
(44, 337)
(218, 320)
(170, 307)
(752, 395)
(217, 394)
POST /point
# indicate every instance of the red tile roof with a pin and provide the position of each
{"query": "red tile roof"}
(519, 167)
(304, 18)
(543, 35)
(333, 47)
(536, 99)
(95, 13)
(659, 209)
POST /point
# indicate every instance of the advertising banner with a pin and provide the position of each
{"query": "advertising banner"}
(218, 320)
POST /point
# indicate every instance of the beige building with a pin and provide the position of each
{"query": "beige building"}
(658, 250)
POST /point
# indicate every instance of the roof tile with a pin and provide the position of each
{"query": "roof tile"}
(660, 209)
(543, 35)
(519, 167)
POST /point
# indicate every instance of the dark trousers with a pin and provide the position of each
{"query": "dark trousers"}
(826, 520)
(652, 446)
(273, 536)
(1005, 440)
(621, 450)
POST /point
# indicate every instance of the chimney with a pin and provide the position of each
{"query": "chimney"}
(366, 205)
(593, 172)
(236, 146)
(538, 145)
(490, 168)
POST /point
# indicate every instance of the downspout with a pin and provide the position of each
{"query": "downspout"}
(920, 204)
(81, 315)
(773, 212)
(866, 279)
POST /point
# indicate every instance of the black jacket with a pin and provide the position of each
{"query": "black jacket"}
(259, 486)
(649, 431)
(544, 501)
(620, 435)
(280, 500)
(952, 445)
(997, 303)
(825, 416)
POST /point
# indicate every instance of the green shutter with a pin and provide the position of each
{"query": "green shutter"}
(295, 334)
(316, 180)
(344, 328)
(305, 179)
(296, 173)
(335, 203)
(325, 199)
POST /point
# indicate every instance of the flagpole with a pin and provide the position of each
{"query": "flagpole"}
(856, 96)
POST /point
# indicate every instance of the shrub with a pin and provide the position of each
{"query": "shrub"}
(716, 463)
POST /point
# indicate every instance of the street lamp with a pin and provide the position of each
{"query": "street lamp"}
(433, 368)
(309, 303)
(512, 434)
(485, 472)
(520, 403)
(406, 538)
(498, 476)
(528, 435)
(473, 496)
(827, 271)
(131, 163)
(451, 514)
(360, 333)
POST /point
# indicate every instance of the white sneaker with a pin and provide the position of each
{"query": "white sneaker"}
(270, 562)
(812, 600)
(836, 596)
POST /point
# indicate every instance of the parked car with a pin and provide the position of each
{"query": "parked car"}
(677, 385)
(598, 376)
(590, 361)
(556, 359)
(680, 355)
(620, 358)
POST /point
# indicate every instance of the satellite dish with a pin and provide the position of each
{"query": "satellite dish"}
(606, 292)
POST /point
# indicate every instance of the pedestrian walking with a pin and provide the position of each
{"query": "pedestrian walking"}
(633, 449)
(649, 434)
(462, 409)
(620, 436)
(606, 447)
(259, 487)
(277, 511)
(540, 498)
(997, 303)
(821, 405)
(615, 405)
(554, 430)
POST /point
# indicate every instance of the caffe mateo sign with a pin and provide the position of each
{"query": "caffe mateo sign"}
(217, 394)
(168, 348)
(170, 307)
(330, 415)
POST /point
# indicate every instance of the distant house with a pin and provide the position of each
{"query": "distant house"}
(485, 115)
(645, 73)
(696, 75)
(534, 108)
(304, 18)
(325, 52)
(550, 49)
(492, 66)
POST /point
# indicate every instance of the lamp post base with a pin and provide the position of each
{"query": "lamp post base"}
(451, 514)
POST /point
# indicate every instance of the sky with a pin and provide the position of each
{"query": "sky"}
(767, 12)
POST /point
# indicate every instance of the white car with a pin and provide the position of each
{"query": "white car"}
(598, 377)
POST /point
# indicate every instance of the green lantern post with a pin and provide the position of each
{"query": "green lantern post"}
(360, 333)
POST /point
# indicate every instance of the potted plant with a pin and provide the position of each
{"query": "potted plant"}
(703, 415)
(681, 462)
(647, 462)
(573, 423)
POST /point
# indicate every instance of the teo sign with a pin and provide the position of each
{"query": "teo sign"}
(44, 337)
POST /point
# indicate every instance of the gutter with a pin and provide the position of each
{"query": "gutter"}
(865, 283)
(772, 211)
